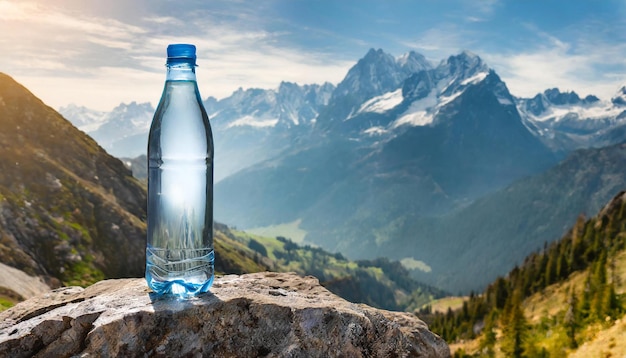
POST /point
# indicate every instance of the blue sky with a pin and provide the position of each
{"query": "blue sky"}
(100, 53)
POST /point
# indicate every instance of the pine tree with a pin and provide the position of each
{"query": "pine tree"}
(551, 268)
(515, 328)
(611, 306)
(488, 340)
(571, 319)
(562, 270)
(501, 293)
(598, 287)
(585, 302)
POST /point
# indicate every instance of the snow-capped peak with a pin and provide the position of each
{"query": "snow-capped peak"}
(134, 117)
(460, 71)
(464, 65)
(377, 73)
(413, 62)
(83, 118)
(286, 106)
(554, 106)
(426, 92)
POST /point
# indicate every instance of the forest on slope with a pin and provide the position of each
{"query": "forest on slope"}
(558, 300)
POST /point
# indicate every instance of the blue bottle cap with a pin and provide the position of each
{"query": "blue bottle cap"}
(181, 51)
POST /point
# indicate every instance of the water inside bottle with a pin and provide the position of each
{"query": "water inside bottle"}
(184, 273)
(179, 254)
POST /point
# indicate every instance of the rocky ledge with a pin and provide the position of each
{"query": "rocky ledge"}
(262, 314)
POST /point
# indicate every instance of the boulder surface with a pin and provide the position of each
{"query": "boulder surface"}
(254, 315)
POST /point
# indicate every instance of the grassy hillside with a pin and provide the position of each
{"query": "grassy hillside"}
(568, 299)
(67, 208)
(380, 283)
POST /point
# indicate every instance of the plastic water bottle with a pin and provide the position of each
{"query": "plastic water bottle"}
(179, 253)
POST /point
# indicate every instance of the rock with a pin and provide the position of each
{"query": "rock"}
(262, 314)
(21, 284)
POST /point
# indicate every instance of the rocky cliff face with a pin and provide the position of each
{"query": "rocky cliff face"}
(263, 314)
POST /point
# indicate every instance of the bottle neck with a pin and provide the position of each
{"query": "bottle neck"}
(181, 70)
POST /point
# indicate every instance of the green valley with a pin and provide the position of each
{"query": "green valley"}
(380, 283)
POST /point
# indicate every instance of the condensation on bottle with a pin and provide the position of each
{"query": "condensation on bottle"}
(179, 252)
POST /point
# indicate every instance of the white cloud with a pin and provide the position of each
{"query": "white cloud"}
(568, 66)
(439, 42)
(67, 56)
(485, 7)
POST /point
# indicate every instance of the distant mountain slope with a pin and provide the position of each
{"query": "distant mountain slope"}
(566, 122)
(138, 166)
(497, 231)
(255, 124)
(123, 132)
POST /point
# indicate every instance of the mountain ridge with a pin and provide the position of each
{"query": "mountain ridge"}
(57, 189)
(261, 116)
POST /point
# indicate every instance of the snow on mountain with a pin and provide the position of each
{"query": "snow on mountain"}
(255, 124)
(462, 70)
(287, 106)
(252, 122)
(566, 122)
(137, 115)
(557, 109)
(422, 95)
(554, 106)
(419, 113)
(382, 103)
(475, 78)
(132, 118)
(123, 121)
(378, 73)
(123, 132)
(83, 118)
(581, 111)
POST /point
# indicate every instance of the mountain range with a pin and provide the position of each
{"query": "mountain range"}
(123, 132)
(394, 157)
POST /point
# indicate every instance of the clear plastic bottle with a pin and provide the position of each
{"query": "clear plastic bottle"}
(179, 253)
